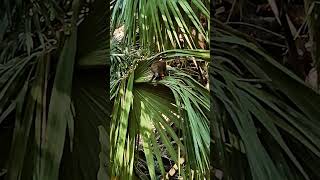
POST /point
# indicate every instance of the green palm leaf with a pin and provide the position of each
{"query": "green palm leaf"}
(261, 106)
(51, 135)
(141, 110)
(158, 22)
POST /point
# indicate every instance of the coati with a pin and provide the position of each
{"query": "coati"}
(158, 69)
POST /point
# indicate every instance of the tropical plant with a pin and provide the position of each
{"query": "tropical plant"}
(53, 60)
(158, 24)
(167, 119)
(265, 118)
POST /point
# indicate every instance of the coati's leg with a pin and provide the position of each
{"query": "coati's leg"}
(154, 76)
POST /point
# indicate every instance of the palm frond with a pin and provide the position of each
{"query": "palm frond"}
(51, 129)
(156, 24)
(257, 101)
(143, 112)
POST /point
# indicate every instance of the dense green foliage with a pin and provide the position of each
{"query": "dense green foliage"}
(168, 119)
(266, 121)
(51, 99)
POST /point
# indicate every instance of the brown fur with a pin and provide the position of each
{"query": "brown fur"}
(158, 69)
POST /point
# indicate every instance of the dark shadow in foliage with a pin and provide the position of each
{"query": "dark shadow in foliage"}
(91, 100)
